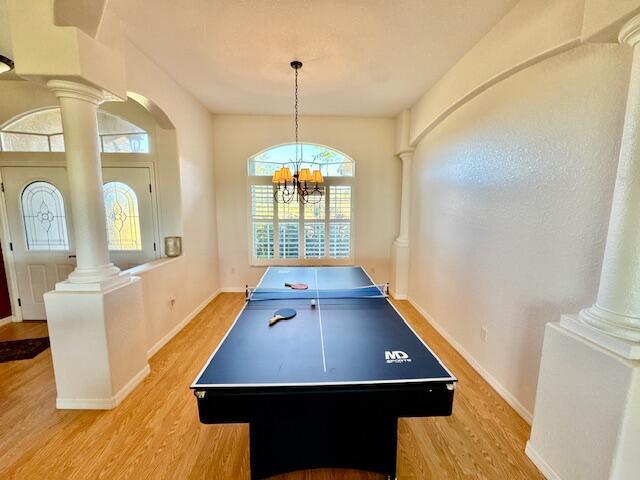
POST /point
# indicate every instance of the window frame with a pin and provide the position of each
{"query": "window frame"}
(5, 130)
(276, 260)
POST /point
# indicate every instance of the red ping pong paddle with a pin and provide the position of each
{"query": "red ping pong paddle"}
(297, 286)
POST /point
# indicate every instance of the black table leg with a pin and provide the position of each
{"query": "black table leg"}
(281, 444)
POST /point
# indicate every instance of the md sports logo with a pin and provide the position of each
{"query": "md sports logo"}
(396, 356)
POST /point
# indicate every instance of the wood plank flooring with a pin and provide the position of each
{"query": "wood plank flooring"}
(155, 432)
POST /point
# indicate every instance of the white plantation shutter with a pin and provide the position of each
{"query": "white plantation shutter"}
(339, 240)
(340, 202)
(311, 231)
(262, 201)
(289, 240)
(262, 216)
(339, 221)
(314, 240)
(263, 240)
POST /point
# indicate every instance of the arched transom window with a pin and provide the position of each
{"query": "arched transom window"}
(41, 131)
(44, 218)
(282, 233)
(123, 221)
(330, 162)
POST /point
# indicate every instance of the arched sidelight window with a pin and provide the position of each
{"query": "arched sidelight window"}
(41, 131)
(123, 221)
(44, 218)
(282, 232)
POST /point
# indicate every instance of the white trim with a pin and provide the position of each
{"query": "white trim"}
(233, 289)
(539, 462)
(8, 258)
(183, 323)
(450, 379)
(495, 384)
(398, 297)
(103, 403)
(323, 384)
(6, 320)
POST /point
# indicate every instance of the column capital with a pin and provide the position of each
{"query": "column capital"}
(79, 91)
(630, 32)
(406, 153)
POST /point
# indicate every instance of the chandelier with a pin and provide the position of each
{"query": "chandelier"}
(303, 185)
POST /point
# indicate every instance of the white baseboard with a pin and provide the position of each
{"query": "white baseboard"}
(183, 323)
(6, 320)
(103, 403)
(495, 384)
(399, 296)
(539, 462)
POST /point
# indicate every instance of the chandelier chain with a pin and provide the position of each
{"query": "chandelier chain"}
(304, 185)
(296, 106)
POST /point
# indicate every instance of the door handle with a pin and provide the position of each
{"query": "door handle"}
(72, 256)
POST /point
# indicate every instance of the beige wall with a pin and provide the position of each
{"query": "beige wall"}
(369, 141)
(511, 198)
(199, 269)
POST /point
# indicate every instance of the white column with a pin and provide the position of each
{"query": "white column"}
(400, 249)
(95, 317)
(586, 422)
(405, 209)
(617, 308)
(79, 105)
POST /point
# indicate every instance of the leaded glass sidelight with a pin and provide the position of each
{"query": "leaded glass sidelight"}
(123, 221)
(44, 219)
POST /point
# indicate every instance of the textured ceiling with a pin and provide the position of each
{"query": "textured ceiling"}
(361, 57)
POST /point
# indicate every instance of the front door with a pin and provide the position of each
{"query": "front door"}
(41, 227)
(41, 232)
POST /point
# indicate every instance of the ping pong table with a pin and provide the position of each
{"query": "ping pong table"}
(325, 388)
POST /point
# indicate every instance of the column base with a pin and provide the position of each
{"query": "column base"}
(625, 348)
(98, 344)
(99, 285)
(621, 326)
(102, 273)
(586, 423)
(400, 269)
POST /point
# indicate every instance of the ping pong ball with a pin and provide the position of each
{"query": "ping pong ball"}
(313, 302)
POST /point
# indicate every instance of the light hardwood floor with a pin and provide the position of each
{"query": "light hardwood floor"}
(155, 433)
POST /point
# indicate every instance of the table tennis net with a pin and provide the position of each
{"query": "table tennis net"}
(367, 291)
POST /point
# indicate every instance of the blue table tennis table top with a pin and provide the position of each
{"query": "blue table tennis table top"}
(339, 341)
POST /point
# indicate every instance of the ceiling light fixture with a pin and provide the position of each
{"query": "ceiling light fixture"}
(6, 64)
(302, 185)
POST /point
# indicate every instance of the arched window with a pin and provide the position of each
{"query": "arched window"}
(44, 219)
(123, 222)
(41, 131)
(291, 232)
(330, 162)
